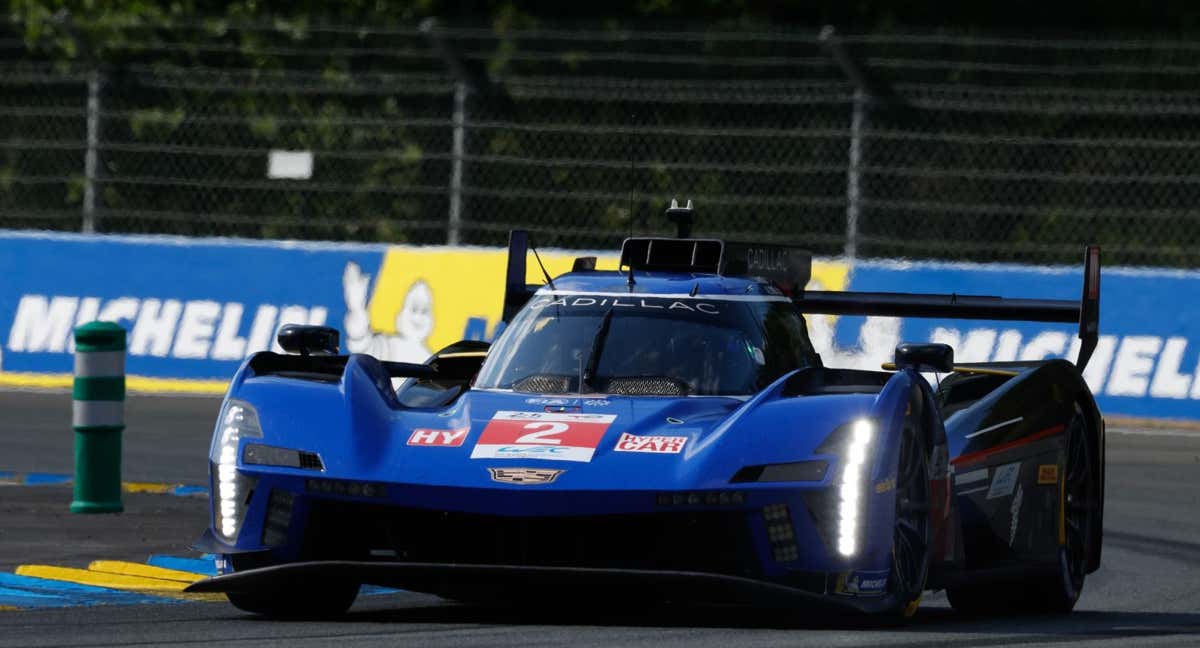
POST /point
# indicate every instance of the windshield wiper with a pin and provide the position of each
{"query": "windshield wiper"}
(593, 360)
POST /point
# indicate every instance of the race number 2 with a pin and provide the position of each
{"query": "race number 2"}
(546, 435)
(551, 436)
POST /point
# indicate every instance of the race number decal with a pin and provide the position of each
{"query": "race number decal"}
(552, 436)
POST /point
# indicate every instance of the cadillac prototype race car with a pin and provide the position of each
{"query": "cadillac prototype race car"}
(664, 432)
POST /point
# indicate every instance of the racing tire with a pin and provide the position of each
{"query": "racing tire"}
(1056, 591)
(912, 532)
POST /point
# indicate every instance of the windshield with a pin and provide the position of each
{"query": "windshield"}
(648, 345)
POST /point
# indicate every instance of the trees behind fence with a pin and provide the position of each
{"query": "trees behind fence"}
(918, 146)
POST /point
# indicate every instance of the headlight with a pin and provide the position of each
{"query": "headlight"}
(854, 458)
(232, 489)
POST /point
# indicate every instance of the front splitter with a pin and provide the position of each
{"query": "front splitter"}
(447, 579)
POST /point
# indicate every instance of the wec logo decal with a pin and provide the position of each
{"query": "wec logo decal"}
(547, 452)
(543, 435)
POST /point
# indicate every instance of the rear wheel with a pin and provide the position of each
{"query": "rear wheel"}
(1053, 592)
(1058, 594)
(310, 599)
(911, 533)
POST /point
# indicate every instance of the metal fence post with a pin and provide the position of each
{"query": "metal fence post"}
(457, 152)
(458, 119)
(91, 157)
(98, 417)
(857, 119)
(868, 91)
(470, 80)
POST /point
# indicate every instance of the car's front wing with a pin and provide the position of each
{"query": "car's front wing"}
(512, 583)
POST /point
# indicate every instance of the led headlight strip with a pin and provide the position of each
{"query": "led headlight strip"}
(238, 419)
(850, 488)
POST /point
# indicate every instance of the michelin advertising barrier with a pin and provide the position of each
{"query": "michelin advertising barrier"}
(195, 308)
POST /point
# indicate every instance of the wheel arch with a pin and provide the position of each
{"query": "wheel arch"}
(1097, 443)
(1065, 374)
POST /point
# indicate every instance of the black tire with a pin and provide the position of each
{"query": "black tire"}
(305, 600)
(1056, 592)
(912, 533)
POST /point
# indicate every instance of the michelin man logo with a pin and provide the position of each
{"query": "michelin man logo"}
(414, 320)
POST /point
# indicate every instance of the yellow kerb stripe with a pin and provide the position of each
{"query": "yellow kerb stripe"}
(8, 608)
(141, 584)
(147, 487)
(100, 579)
(124, 568)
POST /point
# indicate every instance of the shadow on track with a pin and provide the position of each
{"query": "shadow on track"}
(1082, 625)
(1182, 551)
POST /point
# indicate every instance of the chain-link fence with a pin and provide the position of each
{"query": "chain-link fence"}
(916, 146)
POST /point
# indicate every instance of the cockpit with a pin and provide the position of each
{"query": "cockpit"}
(647, 344)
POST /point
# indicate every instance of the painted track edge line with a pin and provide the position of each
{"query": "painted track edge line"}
(1178, 433)
(133, 383)
(1154, 423)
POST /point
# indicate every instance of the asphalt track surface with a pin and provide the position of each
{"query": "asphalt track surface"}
(1146, 593)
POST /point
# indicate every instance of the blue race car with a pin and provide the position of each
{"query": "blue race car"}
(664, 432)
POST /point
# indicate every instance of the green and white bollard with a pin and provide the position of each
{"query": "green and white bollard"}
(98, 417)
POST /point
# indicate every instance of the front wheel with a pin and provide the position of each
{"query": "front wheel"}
(911, 533)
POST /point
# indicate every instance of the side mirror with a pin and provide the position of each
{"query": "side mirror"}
(925, 357)
(305, 340)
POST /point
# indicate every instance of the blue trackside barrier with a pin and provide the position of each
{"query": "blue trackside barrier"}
(194, 308)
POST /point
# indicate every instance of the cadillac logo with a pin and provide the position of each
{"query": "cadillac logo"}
(525, 476)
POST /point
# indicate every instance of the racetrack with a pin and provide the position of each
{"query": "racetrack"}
(1146, 593)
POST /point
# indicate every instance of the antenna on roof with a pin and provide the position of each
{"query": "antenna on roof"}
(545, 274)
(683, 217)
(632, 174)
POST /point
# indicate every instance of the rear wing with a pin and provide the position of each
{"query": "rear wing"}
(1085, 312)
(516, 291)
(790, 269)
